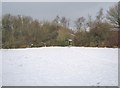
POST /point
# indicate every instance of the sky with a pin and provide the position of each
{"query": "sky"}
(49, 10)
(0, 9)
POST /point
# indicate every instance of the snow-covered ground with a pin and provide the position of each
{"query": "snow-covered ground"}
(0, 68)
(60, 66)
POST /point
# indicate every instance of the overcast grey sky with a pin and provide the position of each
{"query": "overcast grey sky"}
(49, 10)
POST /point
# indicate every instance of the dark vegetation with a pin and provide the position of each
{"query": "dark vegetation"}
(23, 31)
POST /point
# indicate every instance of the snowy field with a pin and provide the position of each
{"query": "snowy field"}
(0, 68)
(60, 66)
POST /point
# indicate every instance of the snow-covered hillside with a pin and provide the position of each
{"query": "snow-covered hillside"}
(60, 66)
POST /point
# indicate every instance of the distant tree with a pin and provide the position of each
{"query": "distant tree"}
(0, 32)
(89, 22)
(63, 35)
(100, 34)
(113, 39)
(113, 15)
(22, 31)
(57, 20)
(7, 31)
(100, 16)
(81, 39)
(79, 23)
(64, 22)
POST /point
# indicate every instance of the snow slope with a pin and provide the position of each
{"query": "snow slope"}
(60, 66)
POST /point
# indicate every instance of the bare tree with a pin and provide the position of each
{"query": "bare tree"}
(79, 23)
(64, 22)
(113, 15)
(57, 20)
(100, 16)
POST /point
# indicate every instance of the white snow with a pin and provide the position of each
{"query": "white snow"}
(60, 66)
(0, 69)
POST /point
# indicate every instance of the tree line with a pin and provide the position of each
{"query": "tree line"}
(24, 31)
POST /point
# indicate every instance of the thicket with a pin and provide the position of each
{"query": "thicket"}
(23, 31)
